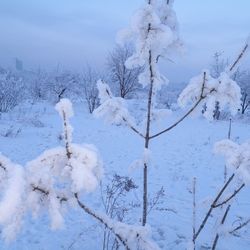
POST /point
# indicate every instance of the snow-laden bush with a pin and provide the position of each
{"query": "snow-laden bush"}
(206, 90)
(11, 91)
(54, 182)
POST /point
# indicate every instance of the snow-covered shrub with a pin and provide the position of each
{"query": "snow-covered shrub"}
(61, 84)
(86, 89)
(112, 109)
(51, 180)
(13, 186)
(54, 182)
(206, 90)
(11, 91)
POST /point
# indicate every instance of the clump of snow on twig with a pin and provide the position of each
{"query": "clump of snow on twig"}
(154, 30)
(208, 91)
(112, 109)
(237, 157)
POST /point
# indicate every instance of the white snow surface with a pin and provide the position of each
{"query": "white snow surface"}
(175, 158)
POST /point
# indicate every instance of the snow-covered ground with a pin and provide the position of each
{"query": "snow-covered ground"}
(176, 157)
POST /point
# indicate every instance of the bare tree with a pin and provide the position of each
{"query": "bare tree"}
(245, 87)
(86, 89)
(39, 88)
(124, 79)
(11, 90)
(60, 83)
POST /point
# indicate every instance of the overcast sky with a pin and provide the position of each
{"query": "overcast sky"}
(75, 32)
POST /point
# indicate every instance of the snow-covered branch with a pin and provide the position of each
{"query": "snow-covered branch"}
(237, 158)
(54, 181)
(240, 56)
(132, 237)
(113, 109)
(222, 89)
(12, 184)
(189, 111)
(206, 91)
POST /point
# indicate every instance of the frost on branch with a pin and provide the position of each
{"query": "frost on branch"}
(50, 181)
(154, 30)
(136, 237)
(237, 157)
(112, 109)
(204, 90)
(55, 179)
(64, 108)
(133, 237)
(12, 184)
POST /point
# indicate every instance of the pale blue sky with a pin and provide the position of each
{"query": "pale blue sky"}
(73, 32)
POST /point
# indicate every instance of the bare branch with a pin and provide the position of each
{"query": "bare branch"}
(240, 226)
(212, 205)
(188, 113)
(222, 222)
(159, 194)
(101, 220)
(45, 192)
(194, 210)
(2, 166)
(147, 137)
(132, 127)
(239, 57)
(66, 136)
(230, 197)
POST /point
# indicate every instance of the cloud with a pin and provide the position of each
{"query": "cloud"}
(76, 32)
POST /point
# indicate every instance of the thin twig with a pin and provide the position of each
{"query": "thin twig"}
(2, 166)
(45, 192)
(100, 219)
(228, 137)
(66, 136)
(212, 206)
(194, 210)
(132, 127)
(240, 226)
(188, 113)
(230, 197)
(222, 222)
(239, 57)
